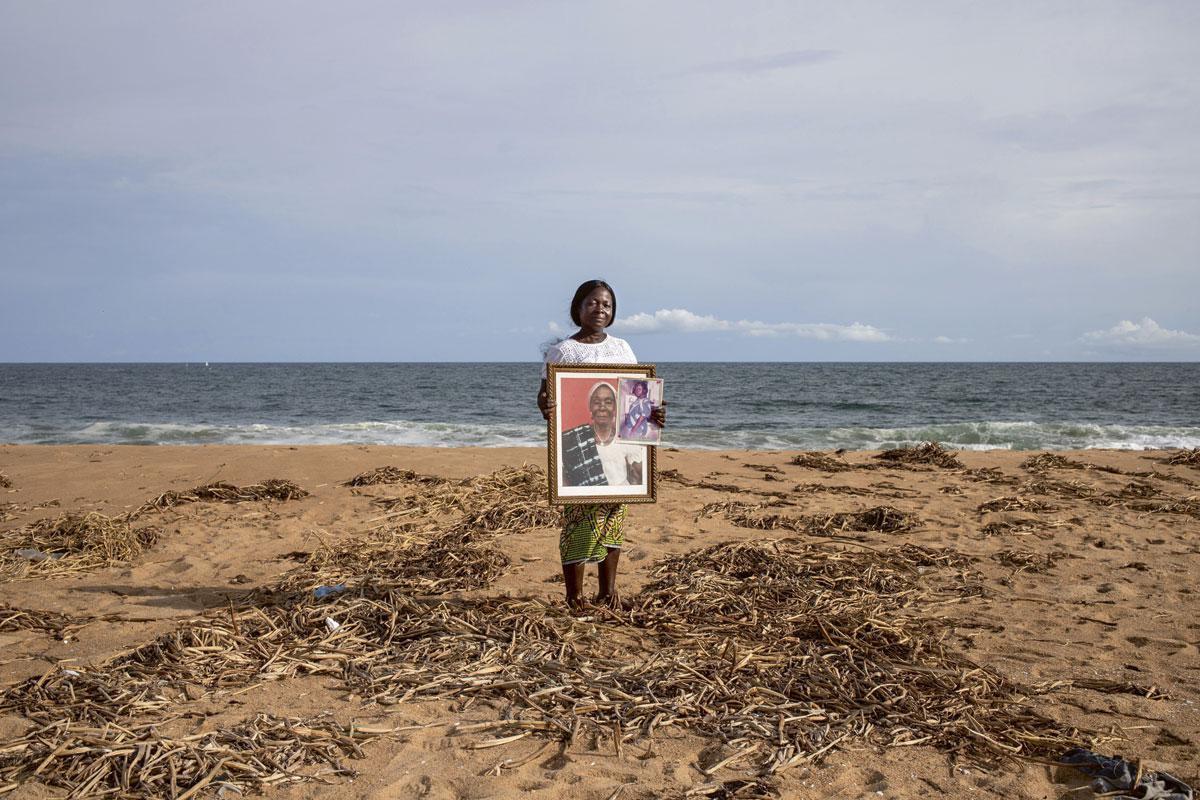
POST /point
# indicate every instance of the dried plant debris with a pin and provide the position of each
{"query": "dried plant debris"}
(991, 475)
(61, 626)
(784, 650)
(1027, 560)
(71, 543)
(5, 481)
(219, 492)
(10, 511)
(1013, 525)
(1068, 490)
(881, 519)
(1015, 503)
(137, 761)
(509, 499)
(1103, 685)
(1146, 498)
(825, 462)
(1187, 458)
(930, 453)
(828, 488)
(1044, 462)
(413, 562)
(675, 476)
(390, 474)
(766, 468)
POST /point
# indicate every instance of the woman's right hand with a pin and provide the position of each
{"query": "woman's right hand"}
(543, 401)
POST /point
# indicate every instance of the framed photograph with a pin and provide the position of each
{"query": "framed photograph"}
(588, 462)
(636, 400)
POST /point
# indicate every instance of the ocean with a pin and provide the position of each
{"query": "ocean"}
(757, 406)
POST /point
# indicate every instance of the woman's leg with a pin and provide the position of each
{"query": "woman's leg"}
(608, 579)
(573, 578)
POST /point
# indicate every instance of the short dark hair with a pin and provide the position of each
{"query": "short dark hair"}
(586, 288)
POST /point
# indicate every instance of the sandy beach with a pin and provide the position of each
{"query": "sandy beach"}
(1071, 578)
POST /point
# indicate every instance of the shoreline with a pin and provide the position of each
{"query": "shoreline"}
(1080, 576)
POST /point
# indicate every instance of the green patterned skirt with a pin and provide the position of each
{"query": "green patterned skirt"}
(590, 531)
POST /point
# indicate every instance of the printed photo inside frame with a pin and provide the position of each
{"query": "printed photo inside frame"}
(588, 463)
(636, 400)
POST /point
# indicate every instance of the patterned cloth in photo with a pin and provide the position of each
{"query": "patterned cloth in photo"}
(589, 531)
(580, 458)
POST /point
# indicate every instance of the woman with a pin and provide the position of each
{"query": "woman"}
(592, 534)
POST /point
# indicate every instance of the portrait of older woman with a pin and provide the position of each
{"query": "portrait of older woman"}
(591, 454)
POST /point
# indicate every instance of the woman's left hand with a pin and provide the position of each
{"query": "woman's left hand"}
(659, 415)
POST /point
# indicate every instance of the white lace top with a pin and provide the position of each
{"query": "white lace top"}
(611, 351)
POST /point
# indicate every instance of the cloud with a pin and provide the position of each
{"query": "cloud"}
(949, 340)
(785, 60)
(680, 320)
(1146, 333)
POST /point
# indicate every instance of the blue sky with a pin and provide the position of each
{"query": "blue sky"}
(760, 181)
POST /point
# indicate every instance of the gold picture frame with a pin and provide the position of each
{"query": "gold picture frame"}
(585, 462)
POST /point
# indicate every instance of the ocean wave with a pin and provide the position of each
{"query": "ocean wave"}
(981, 435)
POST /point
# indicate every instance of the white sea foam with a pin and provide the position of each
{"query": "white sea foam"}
(982, 435)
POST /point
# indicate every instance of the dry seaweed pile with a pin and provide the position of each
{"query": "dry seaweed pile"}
(992, 475)
(507, 500)
(825, 463)
(9, 511)
(60, 626)
(829, 488)
(1014, 503)
(5, 481)
(1020, 526)
(1067, 490)
(412, 562)
(1187, 458)
(882, 519)
(1146, 498)
(220, 492)
(783, 651)
(1026, 560)
(675, 476)
(1044, 462)
(430, 556)
(138, 761)
(389, 474)
(71, 543)
(930, 453)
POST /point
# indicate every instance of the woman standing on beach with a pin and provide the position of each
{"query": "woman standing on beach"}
(592, 534)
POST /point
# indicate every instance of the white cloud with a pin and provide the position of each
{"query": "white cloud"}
(949, 340)
(680, 320)
(1145, 333)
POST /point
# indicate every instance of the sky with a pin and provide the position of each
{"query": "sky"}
(759, 181)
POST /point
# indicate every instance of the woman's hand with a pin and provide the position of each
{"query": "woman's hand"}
(543, 401)
(659, 415)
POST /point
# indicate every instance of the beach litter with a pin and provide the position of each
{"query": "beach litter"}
(5, 481)
(1116, 778)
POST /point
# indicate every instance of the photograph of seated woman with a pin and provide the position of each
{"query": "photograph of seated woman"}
(635, 423)
(591, 454)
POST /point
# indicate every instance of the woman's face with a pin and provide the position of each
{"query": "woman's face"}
(596, 310)
(603, 405)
